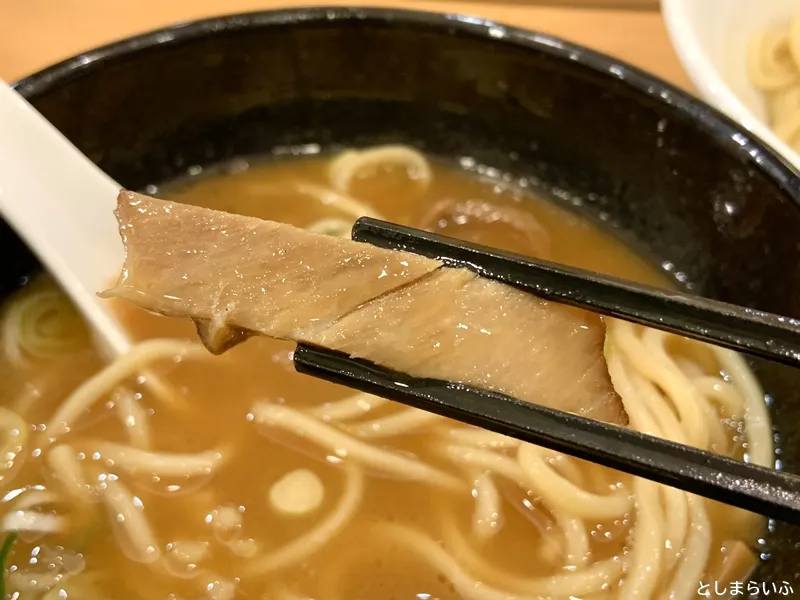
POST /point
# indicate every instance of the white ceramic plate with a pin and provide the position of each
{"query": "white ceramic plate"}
(710, 38)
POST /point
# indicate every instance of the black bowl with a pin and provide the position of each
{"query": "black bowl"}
(675, 179)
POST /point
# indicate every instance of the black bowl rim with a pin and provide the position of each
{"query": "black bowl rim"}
(729, 134)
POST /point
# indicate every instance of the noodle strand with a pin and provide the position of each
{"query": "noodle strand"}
(302, 547)
(94, 388)
(344, 445)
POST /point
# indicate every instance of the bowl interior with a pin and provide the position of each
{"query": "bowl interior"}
(659, 169)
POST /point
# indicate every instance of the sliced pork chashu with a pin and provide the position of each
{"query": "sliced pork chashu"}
(222, 269)
(236, 276)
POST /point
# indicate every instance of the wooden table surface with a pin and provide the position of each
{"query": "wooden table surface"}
(38, 33)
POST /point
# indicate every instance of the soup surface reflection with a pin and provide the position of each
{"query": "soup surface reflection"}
(165, 485)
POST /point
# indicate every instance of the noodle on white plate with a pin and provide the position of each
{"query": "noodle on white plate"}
(773, 66)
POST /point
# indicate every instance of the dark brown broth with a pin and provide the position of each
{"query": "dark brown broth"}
(221, 391)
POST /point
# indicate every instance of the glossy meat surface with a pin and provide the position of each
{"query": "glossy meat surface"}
(236, 276)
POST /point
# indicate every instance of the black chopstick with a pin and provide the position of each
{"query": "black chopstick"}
(757, 489)
(758, 333)
(766, 491)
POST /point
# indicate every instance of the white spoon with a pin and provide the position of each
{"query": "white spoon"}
(62, 205)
